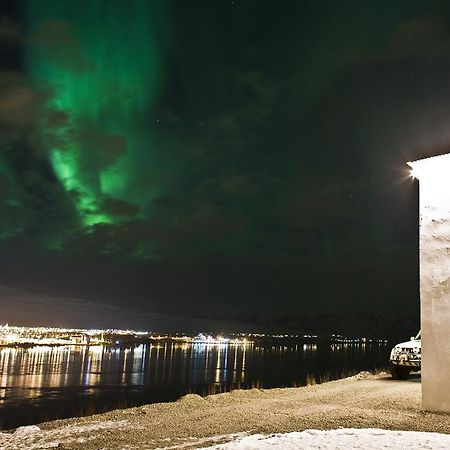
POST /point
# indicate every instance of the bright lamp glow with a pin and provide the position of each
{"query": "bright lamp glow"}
(431, 168)
(413, 173)
(434, 176)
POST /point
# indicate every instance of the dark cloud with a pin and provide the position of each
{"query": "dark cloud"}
(423, 37)
(169, 236)
(19, 102)
(237, 184)
(57, 40)
(32, 203)
(118, 207)
(10, 32)
(102, 149)
(55, 118)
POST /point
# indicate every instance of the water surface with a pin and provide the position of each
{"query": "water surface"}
(43, 383)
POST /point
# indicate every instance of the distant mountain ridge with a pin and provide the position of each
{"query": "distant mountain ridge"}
(353, 324)
(18, 307)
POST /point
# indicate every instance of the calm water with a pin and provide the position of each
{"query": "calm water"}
(42, 383)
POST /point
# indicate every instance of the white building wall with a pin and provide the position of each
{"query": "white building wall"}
(434, 230)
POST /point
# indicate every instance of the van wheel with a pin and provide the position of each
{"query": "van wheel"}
(399, 373)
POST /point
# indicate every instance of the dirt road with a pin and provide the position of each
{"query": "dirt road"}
(357, 402)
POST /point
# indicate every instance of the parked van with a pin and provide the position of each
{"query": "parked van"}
(406, 358)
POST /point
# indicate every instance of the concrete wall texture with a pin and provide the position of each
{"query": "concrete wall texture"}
(434, 230)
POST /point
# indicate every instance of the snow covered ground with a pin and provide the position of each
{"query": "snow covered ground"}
(368, 406)
(32, 437)
(345, 438)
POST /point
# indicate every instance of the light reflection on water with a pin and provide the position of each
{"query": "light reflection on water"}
(42, 383)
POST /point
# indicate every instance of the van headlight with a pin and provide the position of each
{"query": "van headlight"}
(395, 352)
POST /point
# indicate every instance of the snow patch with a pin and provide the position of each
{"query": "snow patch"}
(179, 443)
(33, 438)
(346, 438)
(364, 375)
(24, 431)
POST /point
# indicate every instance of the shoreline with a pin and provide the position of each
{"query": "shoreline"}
(361, 401)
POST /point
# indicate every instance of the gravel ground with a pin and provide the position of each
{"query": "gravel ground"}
(363, 401)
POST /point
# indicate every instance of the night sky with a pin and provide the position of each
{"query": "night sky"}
(209, 156)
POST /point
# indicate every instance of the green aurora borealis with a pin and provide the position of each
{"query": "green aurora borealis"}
(259, 145)
(103, 72)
